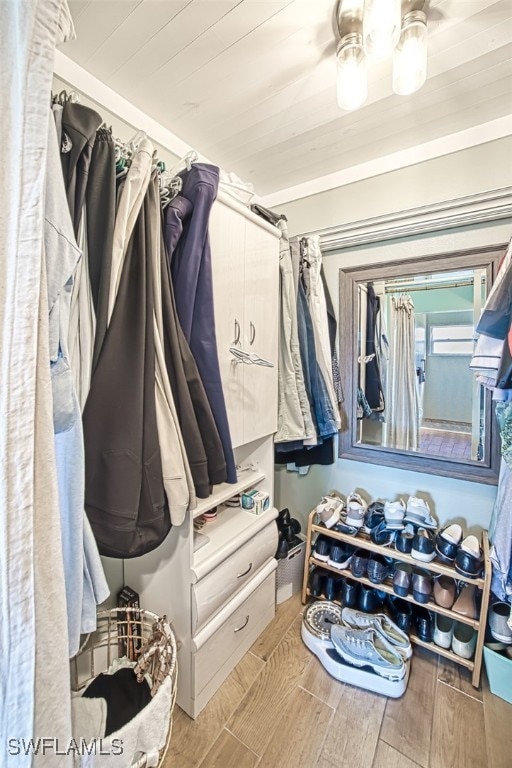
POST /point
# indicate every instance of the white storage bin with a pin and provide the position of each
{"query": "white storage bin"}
(290, 571)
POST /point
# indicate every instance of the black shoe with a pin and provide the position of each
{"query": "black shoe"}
(340, 555)
(297, 528)
(342, 527)
(381, 535)
(378, 568)
(322, 548)
(369, 599)
(332, 585)
(423, 547)
(359, 562)
(423, 624)
(468, 565)
(349, 593)
(403, 541)
(282, 548)
(284, 517)
(400, 611)
(288, 533)
(374, 516)
(317, 579)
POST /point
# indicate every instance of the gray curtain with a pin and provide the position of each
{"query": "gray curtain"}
(403, 406)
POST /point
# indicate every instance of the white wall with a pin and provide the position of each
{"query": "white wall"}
(467, 172)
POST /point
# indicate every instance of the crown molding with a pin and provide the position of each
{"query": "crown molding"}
(479, 208)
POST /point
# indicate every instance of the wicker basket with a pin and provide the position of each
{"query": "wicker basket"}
(127, 632)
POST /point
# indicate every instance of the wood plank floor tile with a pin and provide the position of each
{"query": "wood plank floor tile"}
(256, 716)
(403, 727)
(286, 613)
(354, 730)
(498, 728)
(228, 752)
(458, 677)
(387, 757)
(305, 721)
(458, 732)
(318, 682)
(191, 739)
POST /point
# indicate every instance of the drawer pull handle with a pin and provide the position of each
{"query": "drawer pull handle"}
(243, 625)
(245, 572)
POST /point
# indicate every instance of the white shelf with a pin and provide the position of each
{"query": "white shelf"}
(221, 493)
(232, 528)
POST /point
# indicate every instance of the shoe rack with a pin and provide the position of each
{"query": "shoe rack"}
(435, 567)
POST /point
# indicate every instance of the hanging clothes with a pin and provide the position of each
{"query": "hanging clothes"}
(403, 407)
(124, 491)
(373, 389)
(35, 697)
(191, 272)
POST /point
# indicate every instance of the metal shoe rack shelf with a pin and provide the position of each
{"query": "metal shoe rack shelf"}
(363, 541)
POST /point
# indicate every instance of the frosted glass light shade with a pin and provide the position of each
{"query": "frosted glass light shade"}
(410, 55)
(381, 26)
(352, 79)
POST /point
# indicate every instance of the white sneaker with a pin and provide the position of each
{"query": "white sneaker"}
(418, 512)
(394, 513)
(329, 511)
(356, 510)
(381, 624)
(366, 647)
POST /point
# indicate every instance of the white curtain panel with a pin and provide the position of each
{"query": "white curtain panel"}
(403, 406)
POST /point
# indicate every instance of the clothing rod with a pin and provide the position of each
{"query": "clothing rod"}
(408, 289)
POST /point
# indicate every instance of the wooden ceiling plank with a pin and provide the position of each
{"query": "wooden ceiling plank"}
(95, 24)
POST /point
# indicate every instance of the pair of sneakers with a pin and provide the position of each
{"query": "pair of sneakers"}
(372, 640)
(416, 511)
(331, 508)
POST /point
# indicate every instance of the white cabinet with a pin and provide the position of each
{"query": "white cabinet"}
(221, 597)
(245, 259)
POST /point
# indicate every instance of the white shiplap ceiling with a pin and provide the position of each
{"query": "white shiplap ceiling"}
(251, 83)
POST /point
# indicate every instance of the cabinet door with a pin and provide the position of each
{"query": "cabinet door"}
(227, 239)
(261, 330)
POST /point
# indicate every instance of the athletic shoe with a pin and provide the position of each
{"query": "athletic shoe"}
(394, 513)
(340, 555)
(367, 648)
(321, 548)
(329, 510)
(356, 510)
(418, 512)
(381, 624)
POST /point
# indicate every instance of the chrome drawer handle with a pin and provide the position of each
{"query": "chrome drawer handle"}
(245, 572)
(243, 625)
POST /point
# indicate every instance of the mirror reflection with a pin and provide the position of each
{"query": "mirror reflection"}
(416, 391)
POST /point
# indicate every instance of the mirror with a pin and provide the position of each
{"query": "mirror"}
(407, 336)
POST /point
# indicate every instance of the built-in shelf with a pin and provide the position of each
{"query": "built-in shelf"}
(221, 493)
(363, 541)
(232, 528)
(386, 586)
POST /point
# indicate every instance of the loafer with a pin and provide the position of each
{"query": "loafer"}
(446, 550)
(349, 593)
(445, 591)
(469, 558)
(423, 624)
(465, 604)
(340, 555)
(452, 534)
(400, 611)
(378, 568)
(369, 599)
(402, 579)
(356, 511)
(404, 540)
(499, 614)
(421, 585)
(394, 513)
(464, 640)
(418, 513)
(322, 548)
(382, 536)
(423, 547)
(443, 631)
(359, 562)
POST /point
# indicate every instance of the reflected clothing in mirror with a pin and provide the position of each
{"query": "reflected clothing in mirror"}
(373, 388)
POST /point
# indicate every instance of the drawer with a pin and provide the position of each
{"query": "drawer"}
(217, 587)
(217, 653)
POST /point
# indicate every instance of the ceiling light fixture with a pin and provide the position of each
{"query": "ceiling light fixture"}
(376, 28)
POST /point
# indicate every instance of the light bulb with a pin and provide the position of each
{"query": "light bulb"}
(352, 80)
(381, 26)
(410, 56)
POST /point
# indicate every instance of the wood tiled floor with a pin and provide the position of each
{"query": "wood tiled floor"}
(280, 709)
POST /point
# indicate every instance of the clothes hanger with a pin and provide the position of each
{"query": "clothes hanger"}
(185, 164)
